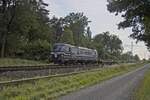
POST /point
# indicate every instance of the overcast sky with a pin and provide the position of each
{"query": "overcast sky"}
(102, 20)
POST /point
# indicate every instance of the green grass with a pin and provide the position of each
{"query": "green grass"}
(51, 88)
(14, 62)
(143, 92)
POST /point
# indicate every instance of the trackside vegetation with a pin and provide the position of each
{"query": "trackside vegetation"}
(27, 32)
(18, 62)
(143, 92)
(52, 88)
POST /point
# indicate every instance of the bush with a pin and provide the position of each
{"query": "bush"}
(37, 50)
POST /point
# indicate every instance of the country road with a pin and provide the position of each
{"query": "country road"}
(118, 88)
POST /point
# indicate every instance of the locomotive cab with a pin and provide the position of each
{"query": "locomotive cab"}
(60, 51)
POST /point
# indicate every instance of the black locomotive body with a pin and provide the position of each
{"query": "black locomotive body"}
(66, 53)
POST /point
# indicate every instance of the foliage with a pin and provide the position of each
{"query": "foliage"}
(67, 36)
(108, 46)
(24, 22)
(57, 26)
(72, 29)
(78, 23)
(27, 32)
(136, 15)
(129, 57)
(136, 58)
(39, 49)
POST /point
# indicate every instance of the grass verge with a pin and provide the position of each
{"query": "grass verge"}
(14, 62)
(51, 88)
(143, 93)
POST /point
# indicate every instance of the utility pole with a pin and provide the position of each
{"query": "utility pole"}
(132, 48)
(131, 58)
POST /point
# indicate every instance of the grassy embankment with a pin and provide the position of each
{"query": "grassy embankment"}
(143, 93)
(51, 88)
(14, 62)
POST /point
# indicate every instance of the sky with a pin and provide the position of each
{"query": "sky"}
(102, 20)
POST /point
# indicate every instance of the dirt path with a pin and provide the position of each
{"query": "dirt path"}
(118, 88)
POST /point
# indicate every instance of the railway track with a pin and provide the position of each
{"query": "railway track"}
(25, 68)
(32, 80)
(38, 67)
(20, 81)
(47, 66)
(18, 72)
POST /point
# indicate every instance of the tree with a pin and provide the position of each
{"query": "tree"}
(136, 58)
(67, 36)
(22, 22)
(108, 46)
(126, 57)
(99, 47)
(33, 24)
(77, 23)
(115, 45)
(89, 33)
(7, 14)
(57, 25)
(129, 57)
(136, 15)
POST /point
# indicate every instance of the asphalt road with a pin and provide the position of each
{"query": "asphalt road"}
(118, 88)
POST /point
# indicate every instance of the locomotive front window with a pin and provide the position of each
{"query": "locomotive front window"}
(58, 48)
(61, 48)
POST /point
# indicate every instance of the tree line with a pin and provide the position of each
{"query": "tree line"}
(26, 31)
(136, 15)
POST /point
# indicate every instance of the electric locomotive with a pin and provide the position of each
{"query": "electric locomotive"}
(65, 54)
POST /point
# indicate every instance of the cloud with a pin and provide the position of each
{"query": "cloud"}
(55, 8)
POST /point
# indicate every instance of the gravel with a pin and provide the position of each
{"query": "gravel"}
(14, 75)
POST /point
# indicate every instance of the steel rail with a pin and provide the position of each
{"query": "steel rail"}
(38, 67)
(26, 67)
(20, 81)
